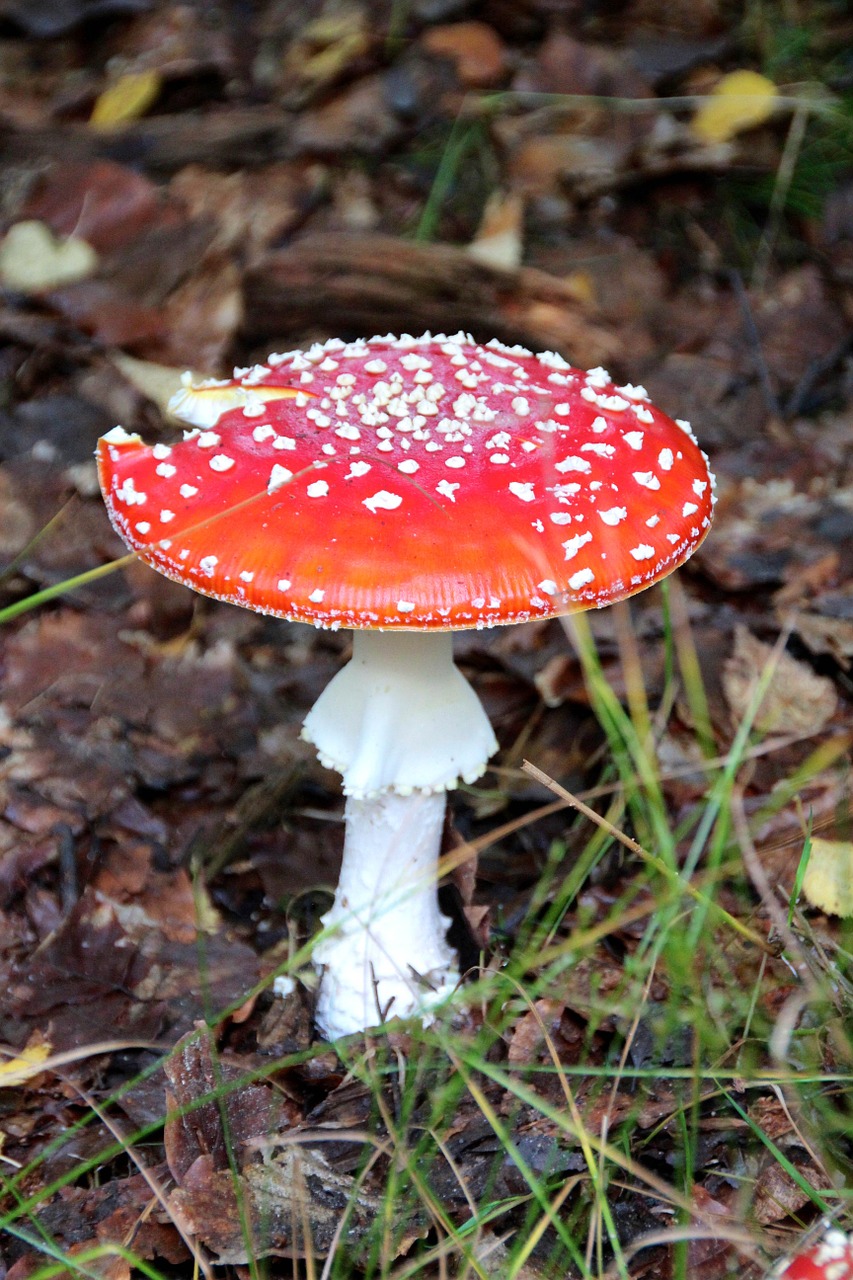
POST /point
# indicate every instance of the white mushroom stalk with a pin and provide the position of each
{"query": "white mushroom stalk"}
(402, 725)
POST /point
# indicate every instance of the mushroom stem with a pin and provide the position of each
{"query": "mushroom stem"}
(402, 725)
(386, 955)
(400, 716)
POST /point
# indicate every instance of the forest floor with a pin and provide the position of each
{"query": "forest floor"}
(650, 1070)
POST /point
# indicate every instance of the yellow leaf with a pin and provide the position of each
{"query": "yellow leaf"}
(14, 1071)
(33, 259)
(159, 382)
(327, 46)
(828, 882)
(127, 99)
(202, 405)
(741, 100)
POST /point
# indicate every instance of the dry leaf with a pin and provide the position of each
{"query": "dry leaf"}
(204, 312)
(823, 633)
(499, 241)
(475, 49)
(33, 259)
(108, 205)
(159, 382)
(741, 100)
(777, 1195)
(797, 701)
(125, 100)
(828, 882)
(15, 1071)
(327, 47)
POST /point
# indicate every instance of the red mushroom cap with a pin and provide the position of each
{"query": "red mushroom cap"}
(831, 1259)
(411, 484)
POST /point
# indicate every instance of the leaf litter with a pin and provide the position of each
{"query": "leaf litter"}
(167, 843)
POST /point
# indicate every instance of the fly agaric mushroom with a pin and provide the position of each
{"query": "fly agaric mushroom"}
(830, 1259)
(406, 488)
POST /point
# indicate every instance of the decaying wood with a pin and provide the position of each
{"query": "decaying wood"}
(366, 284)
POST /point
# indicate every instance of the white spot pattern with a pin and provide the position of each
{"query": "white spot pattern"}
(573, 464)
(279, 476)
(525, 492)
(380, 399)
(382, 501)
(573, 545)
(614, 515)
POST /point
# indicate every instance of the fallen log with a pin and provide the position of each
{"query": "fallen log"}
(357, 285)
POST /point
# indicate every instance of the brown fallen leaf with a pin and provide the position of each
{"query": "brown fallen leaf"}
(102, 309)
(826, 634)
(777, 1195)
(115, 1212)
(797, 701)
(475, 49)
(203, 314)
(291, 1194)
(528, 1037)
(357, 119)
(104, 203)
(250, 210)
